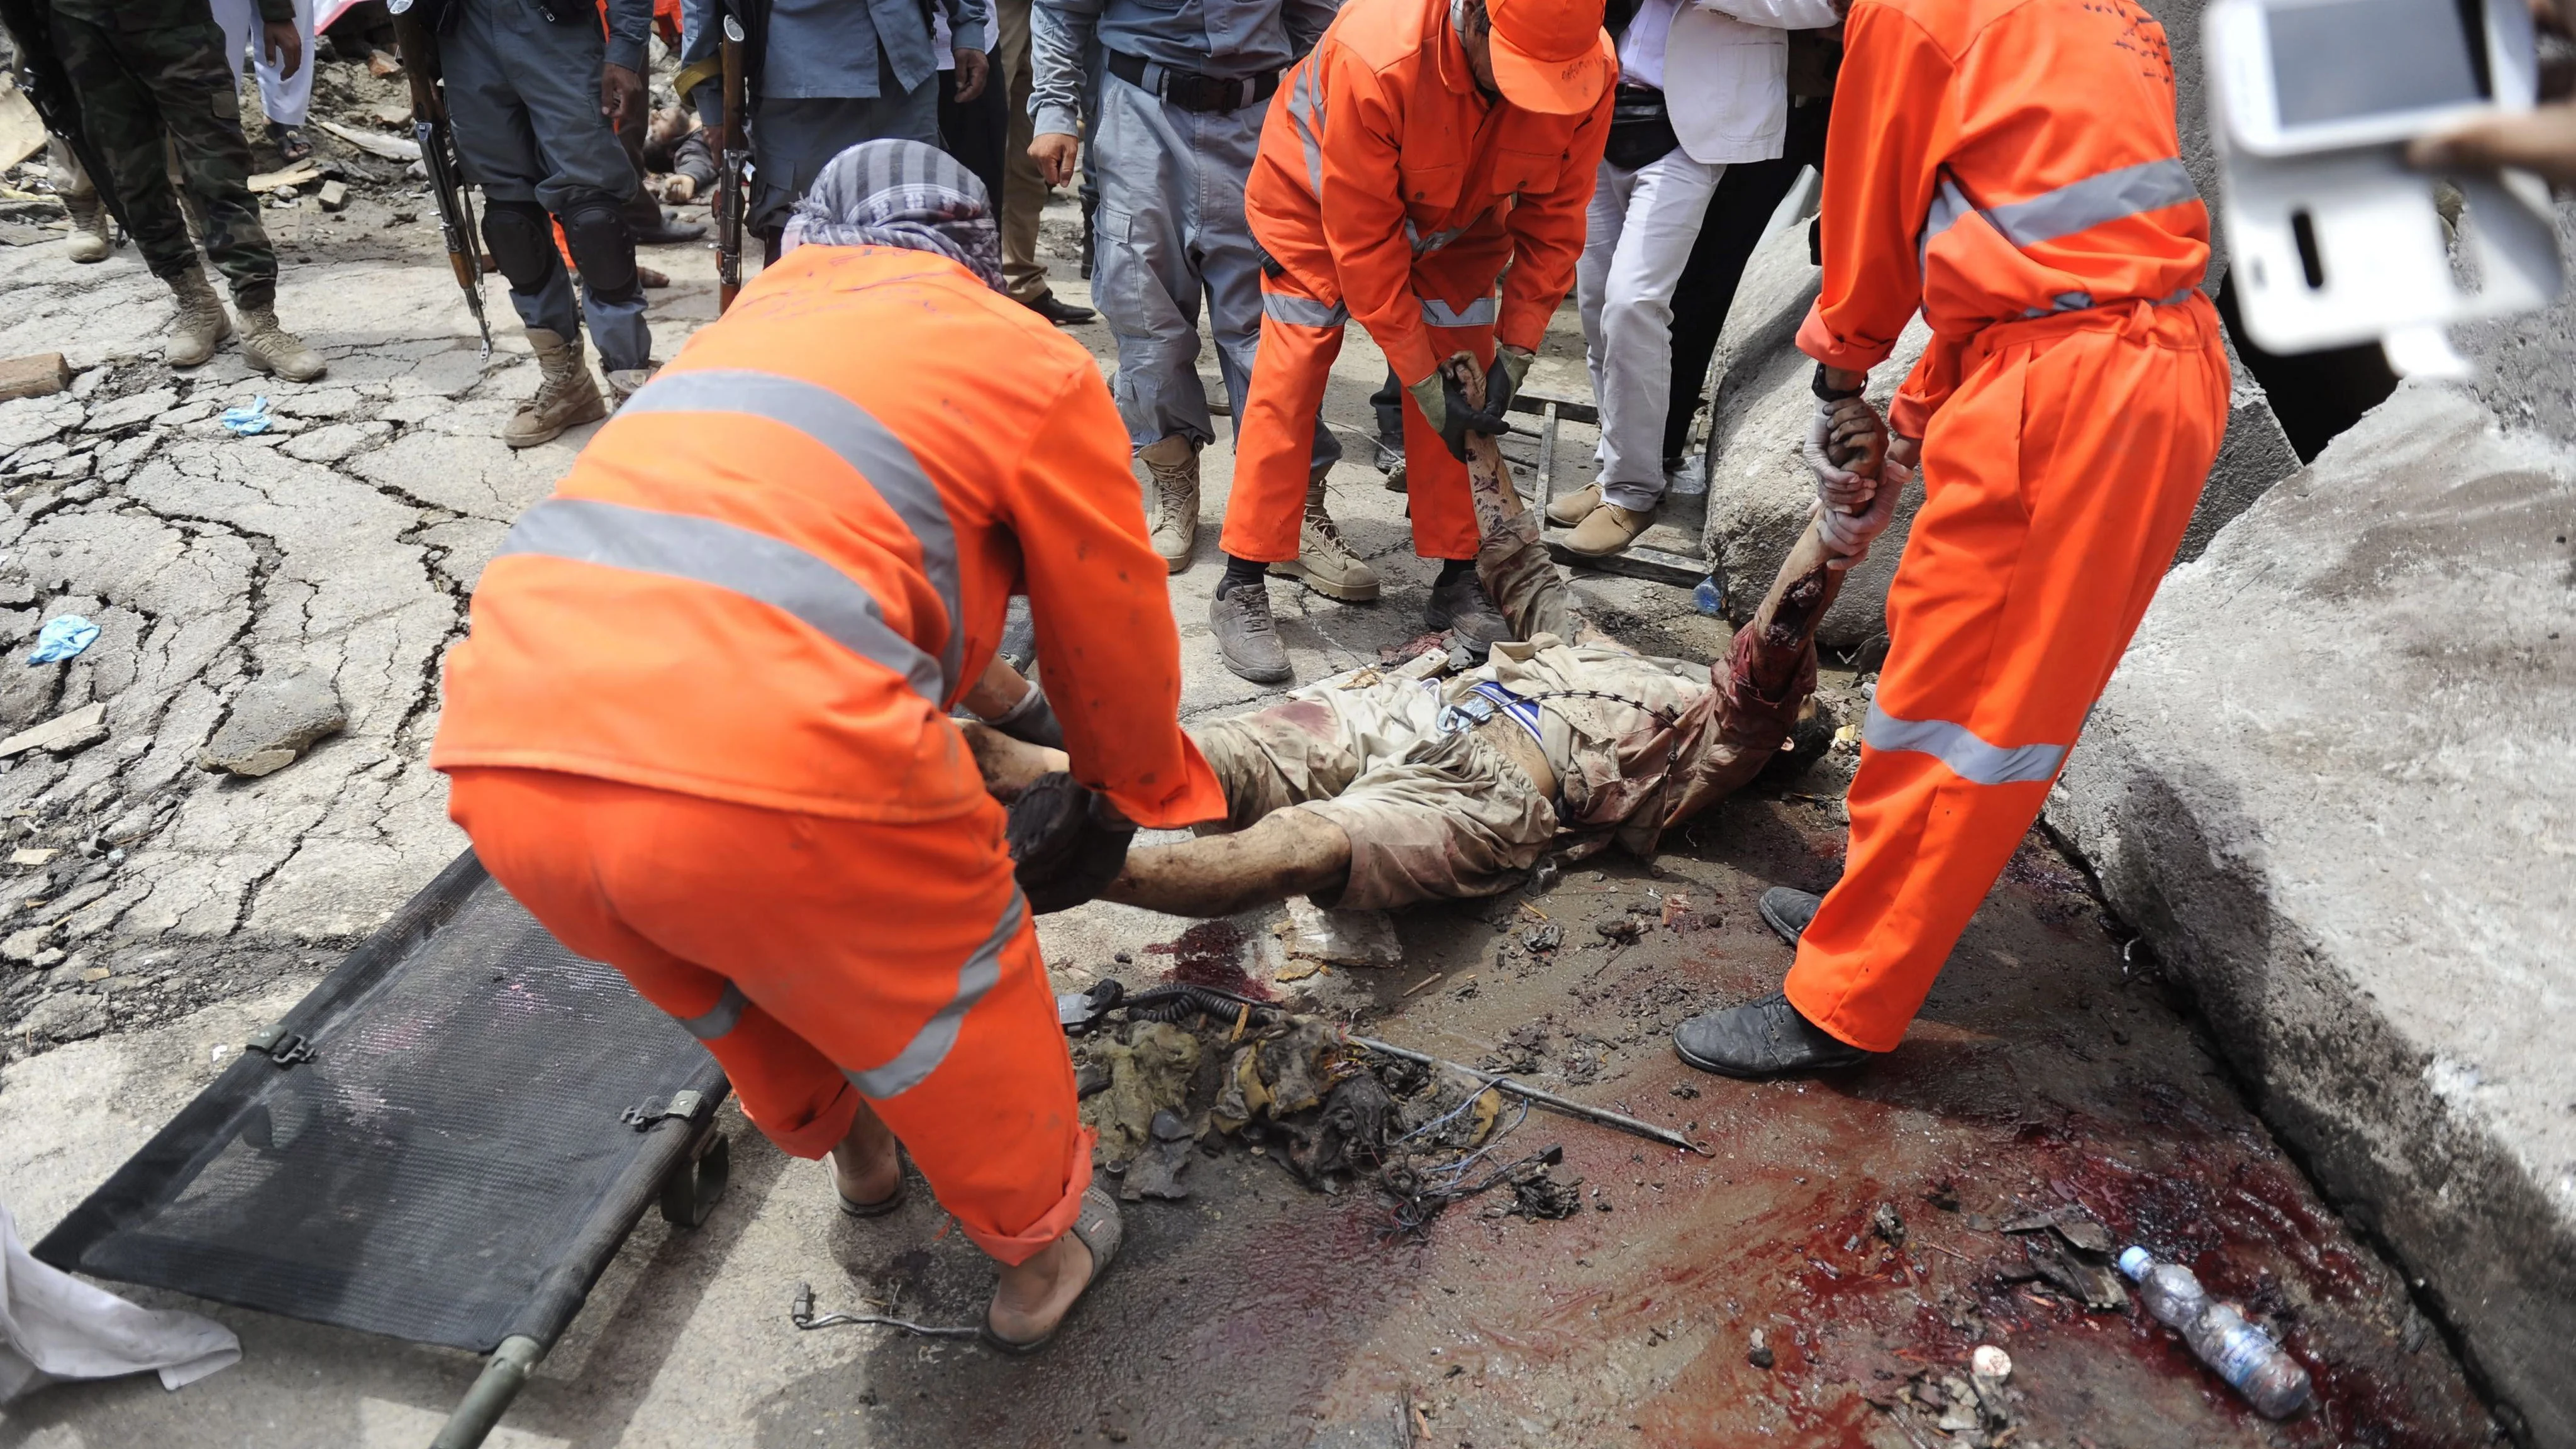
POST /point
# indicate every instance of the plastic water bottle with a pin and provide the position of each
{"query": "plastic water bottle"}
(1706, 598)
(2244, 1355)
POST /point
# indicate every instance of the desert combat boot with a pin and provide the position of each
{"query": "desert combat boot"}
(201, 322)
(1173, 464)
(270, 348)
(1325, 562)
(88, 241)
(566, 396)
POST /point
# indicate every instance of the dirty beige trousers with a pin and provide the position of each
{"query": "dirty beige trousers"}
(1024, 190)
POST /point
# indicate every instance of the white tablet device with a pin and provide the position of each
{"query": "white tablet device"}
(2303, 76)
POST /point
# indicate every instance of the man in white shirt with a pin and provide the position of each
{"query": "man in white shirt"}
(1702, 84)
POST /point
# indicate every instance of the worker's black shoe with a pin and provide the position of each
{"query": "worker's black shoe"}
(1787, 911)
(1764, 1039)
(1462, 604)
(1060, 312)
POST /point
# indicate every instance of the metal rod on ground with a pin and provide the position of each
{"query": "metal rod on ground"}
(1602, 1115)
(484, 1404)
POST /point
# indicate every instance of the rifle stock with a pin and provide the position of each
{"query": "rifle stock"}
(437, 139)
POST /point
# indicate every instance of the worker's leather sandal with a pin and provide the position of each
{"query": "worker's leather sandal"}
(881, 1206)
(1787, 910)
(1101, 1230)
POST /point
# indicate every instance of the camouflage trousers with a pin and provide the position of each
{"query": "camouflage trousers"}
(151, 95)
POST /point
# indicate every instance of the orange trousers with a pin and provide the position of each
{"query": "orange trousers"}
(1274, 443)
(2058, 481)
(823, 961)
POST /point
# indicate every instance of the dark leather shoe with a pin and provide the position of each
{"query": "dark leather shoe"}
(1060, 312)
(1787, 911)
(1463, 605)
(1764, 1039)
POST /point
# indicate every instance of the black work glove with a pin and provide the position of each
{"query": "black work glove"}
(1067, 843)
(1445, 407)
(1503, 383)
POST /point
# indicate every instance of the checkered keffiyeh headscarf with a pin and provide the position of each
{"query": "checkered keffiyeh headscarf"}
(891, 193)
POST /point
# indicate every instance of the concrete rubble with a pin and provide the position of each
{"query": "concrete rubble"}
(272, 722)
(2334, 785)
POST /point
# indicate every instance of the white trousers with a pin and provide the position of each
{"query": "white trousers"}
(286, 99)
(1642, 227)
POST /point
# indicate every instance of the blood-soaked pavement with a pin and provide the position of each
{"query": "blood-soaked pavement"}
(2042, 1073)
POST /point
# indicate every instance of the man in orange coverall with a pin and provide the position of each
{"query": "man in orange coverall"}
(700, 727)
(1421, 147)
(2010, 167)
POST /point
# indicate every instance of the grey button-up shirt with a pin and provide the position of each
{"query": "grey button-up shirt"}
(828, 48)
(1211, 37)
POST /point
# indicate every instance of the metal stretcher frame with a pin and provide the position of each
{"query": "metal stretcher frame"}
(446, 1141)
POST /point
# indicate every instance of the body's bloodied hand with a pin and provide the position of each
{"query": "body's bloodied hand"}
(1067, 843)
(1846, 443)
(1848, 535)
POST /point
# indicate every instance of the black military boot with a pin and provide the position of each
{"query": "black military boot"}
(1787, 911)
(1764, 1039)
(1459, 602)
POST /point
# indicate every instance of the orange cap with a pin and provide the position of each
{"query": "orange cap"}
(1551, 56)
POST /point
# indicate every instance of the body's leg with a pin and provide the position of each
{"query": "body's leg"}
(2059, 480)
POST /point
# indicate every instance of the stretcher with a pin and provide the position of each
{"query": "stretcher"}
(446, 1142)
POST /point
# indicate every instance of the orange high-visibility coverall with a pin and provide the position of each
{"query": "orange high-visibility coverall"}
(1389, 189)
(2011, 167)
(699, 728)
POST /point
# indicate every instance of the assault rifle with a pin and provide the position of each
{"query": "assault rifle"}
(429, 127)
(733, 160)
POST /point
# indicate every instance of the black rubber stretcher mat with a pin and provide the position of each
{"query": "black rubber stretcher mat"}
(480, 1122)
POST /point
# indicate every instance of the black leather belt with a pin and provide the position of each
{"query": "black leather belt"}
(1206, 94)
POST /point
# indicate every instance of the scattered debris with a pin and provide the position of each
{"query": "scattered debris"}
(1156, 1172)
(2078, 1227)
(39, 374)
(801, 1313)
(2093, 1284)
(272, 723)
(1544, 937)
(302, 173)
(1424, 984)
(24, 856)
(63, 637)
(62, 734)
(334, 195)
(392, 148)
(1990, 1362)
(248, 421)
(1620, 927)
(1760, 1355)
(1889, 1227)
(1340, 938)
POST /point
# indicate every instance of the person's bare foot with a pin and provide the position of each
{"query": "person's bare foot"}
(866, 1166)
(1033, 1297)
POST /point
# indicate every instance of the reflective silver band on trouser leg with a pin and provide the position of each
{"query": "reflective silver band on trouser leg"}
(720, 1019)
(1302, 311)
(929, 1046)
(754, 565)
(1479, 313)
(1969, 757)
(853, 435)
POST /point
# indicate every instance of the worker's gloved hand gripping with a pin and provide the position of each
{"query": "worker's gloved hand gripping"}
(1444, 404)
(1067, 843)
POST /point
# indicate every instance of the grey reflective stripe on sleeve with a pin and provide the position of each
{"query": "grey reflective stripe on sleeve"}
(754, 565)
(1302, 311)
(1479, 313)
(858, 439)
(929, 1046)
(1957, 746)
(719, 1019)
(1304, 109)
(1423, 245)
(2076, 206)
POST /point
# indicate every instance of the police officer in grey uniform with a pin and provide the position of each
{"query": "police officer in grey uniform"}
(1179, 120)
(534, 93)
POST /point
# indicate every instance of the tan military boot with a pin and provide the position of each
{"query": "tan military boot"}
(89, 228)
(268, 347)
(201, 322)
(1173, 464)
(566, 397)
(1325, 562)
